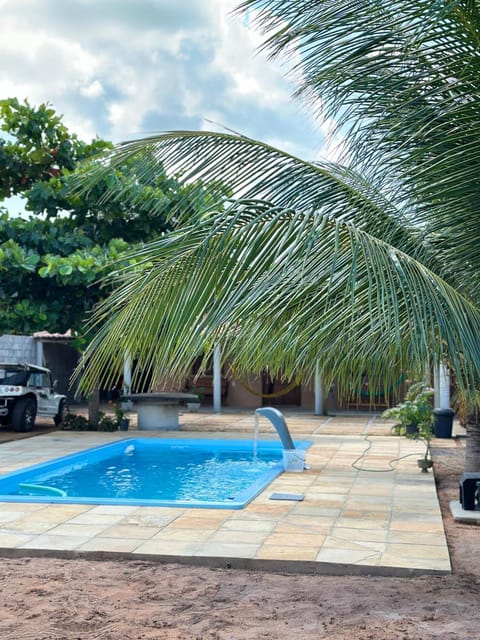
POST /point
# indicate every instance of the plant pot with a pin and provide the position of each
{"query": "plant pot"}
(124, 424)
(411, 429)
(443, 422)
(424, 464)
(193, 406)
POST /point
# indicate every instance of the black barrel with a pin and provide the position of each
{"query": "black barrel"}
(443, 424)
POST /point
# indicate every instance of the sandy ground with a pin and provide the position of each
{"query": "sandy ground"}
(52, 599)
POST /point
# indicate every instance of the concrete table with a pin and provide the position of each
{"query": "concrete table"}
(159, 410)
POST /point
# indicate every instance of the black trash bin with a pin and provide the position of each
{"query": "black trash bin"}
(443, 424)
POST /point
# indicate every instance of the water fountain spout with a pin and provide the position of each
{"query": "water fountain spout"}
(278, 420)
(293, 459)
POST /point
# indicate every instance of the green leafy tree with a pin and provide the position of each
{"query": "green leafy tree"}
(126, 203)
(49, 274)
(50, 266)
(51, 263)
(38, 146)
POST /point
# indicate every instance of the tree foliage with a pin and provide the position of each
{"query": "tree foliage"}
(51, 263)
(38, 146)
(49, 274)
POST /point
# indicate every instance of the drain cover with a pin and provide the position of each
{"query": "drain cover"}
(297, 497)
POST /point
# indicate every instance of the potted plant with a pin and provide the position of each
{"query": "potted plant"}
(122, 421)
(415, 418)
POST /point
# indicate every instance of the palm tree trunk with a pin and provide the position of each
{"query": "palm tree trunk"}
(472, 456)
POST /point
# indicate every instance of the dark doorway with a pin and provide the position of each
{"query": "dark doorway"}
(288, 396)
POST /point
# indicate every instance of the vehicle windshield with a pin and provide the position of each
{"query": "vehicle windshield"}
(13, 375)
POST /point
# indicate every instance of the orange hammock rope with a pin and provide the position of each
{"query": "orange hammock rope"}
(277, 394)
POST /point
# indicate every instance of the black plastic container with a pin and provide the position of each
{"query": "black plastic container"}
(443, 424)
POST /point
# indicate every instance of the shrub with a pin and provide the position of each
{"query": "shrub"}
(106, 423)
(75, 422)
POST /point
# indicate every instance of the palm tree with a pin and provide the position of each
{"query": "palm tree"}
(371, 264)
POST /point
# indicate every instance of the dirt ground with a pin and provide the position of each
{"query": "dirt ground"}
(53, 599)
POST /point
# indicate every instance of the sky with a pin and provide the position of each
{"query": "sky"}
(121, 69)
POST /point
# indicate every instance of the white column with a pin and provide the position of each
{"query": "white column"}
(127, 374)
(441, 382)
(444, 380)
(217, 378)
(436, 387)
(39, 353)
(318, 392)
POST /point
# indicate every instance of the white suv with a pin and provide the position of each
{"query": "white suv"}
(28, 391)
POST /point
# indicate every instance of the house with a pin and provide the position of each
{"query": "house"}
(218, 387)
(51, 350)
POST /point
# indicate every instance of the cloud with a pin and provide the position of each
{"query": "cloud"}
(94, 90)
(122, 68)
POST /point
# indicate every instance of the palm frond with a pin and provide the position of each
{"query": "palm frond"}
(401, 81)
(251, 169)
(319, 262)
(285, 289)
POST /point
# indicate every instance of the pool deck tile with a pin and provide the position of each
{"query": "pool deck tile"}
(126, 531)
(98, 544)
(53, 542)
(13, 539)
(358, 515)
(166, 548)
(291, 553)
(227, 550)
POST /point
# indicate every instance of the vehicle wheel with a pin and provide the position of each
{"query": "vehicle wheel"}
(24, 414)
(60, 417)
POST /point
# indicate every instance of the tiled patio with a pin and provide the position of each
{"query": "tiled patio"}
(357, 516)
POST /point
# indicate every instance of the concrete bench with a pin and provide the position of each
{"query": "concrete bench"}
(158, 410)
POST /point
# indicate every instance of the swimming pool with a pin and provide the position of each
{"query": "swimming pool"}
(152, 472)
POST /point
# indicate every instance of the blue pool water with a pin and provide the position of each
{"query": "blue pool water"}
(152, 472)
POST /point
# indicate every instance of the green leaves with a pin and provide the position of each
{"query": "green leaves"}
(81, 267)
(326, 268)
(13, 256)
(55, 264)
(401, 82)
(286, 290)
(36, 148)
(49, 274)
